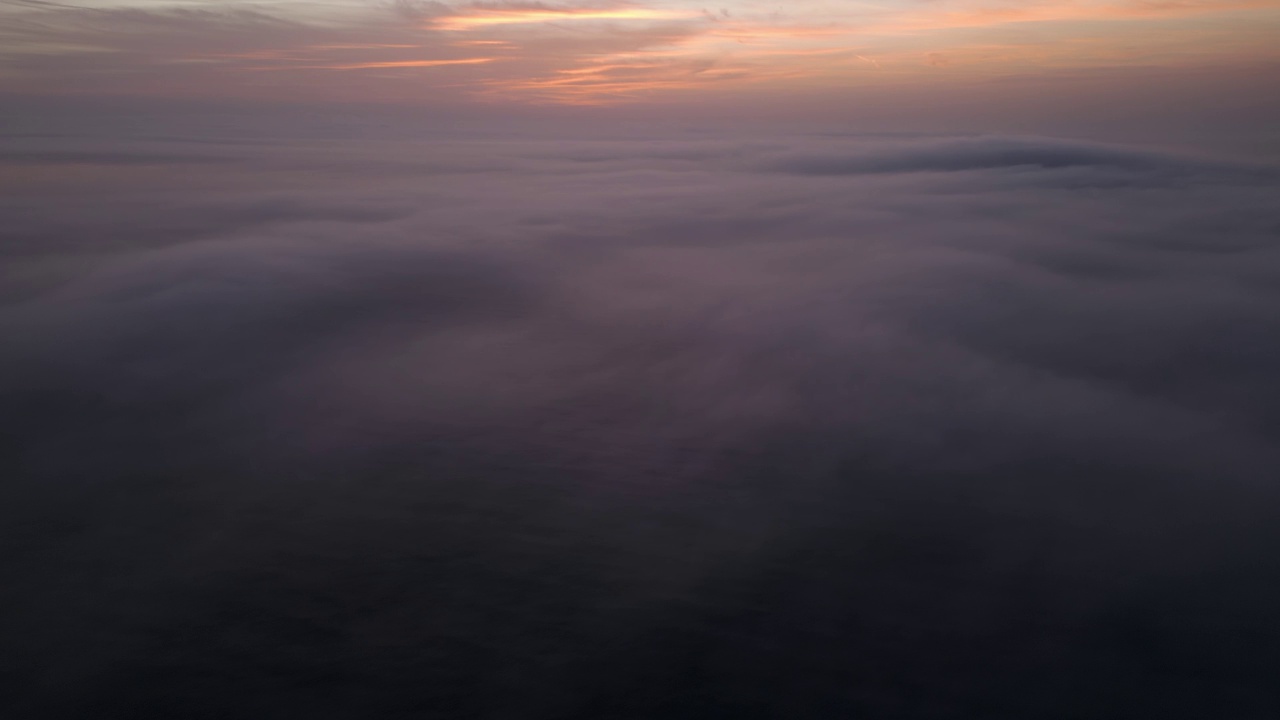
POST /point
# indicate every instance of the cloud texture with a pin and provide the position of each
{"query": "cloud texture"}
(441, 54)
(979, 427)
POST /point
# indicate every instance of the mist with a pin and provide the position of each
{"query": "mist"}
(680, 425)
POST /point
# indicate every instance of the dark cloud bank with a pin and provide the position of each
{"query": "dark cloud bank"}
(801, 428)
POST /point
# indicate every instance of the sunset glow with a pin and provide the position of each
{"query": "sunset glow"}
(594, 53)
(490, 18)
(389, 65)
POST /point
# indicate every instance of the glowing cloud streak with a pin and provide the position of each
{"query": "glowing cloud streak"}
(410, 64)
(491, 18)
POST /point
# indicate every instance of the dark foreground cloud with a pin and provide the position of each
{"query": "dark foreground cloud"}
(800, 427)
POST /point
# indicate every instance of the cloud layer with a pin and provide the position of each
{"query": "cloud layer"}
(778, 427)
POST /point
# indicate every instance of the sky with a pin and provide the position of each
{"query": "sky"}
(907, 359)
(1187, 73)
(588, 53)
(585, 52)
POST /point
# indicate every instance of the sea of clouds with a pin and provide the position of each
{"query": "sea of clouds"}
(776, 427)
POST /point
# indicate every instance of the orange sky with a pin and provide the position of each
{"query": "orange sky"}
(600, 52)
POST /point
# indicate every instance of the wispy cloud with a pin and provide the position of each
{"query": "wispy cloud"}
(391, 64)
(489, 17)
(596, 52)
